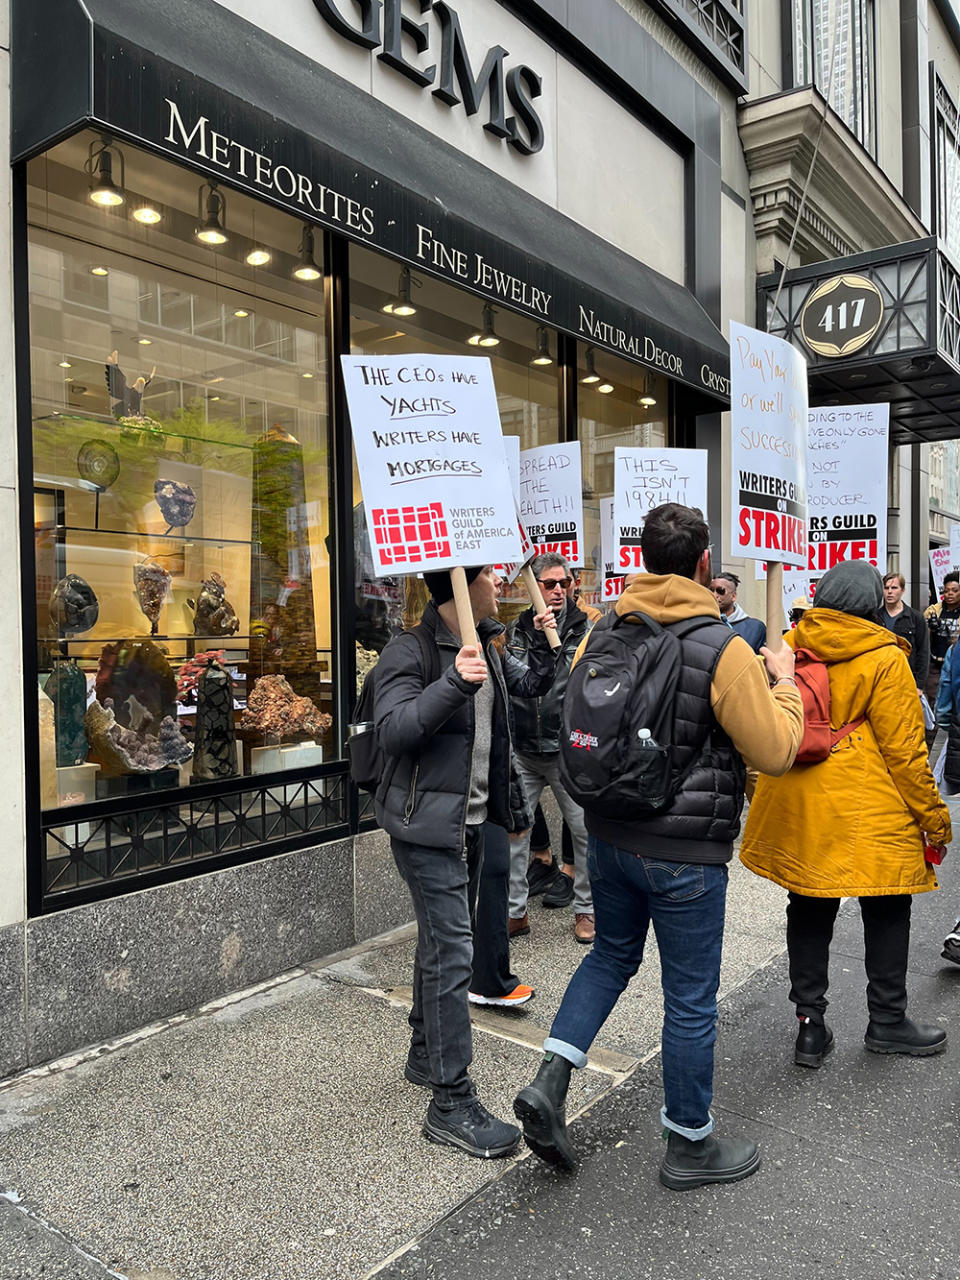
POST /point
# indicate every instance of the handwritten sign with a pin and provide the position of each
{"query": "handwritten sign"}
(847, 479)
(942, 562)
(551, 500)
(611, 579)
(645, 478)
(431, 457)
(768, 404)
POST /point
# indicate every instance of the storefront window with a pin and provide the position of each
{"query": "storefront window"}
(182, 481)
(426, 315)
(621, 405)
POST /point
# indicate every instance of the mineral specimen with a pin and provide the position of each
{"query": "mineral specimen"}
(274, 710)
(215, 750)
(73, 605)
(214, 614)
(67, 690)
(177, 501)
(48, 752)
(123, 750)
(98, 463)
(152, 583)
(189, 674)
(139, 681)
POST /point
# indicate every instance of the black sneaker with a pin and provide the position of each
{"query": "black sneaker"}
(540, 876)
(560, 893)
(470, 1126)
(814, 1042)
(951, 945)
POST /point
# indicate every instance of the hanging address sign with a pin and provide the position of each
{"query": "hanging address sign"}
(841, 316)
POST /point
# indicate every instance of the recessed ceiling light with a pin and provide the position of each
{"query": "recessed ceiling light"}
(605, 388)
(258, 258)
(214, 397)
(306, 375)
(145, 342)
(65, 364)
(240, 313)
(99, 271)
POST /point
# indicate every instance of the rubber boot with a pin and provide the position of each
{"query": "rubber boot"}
(541, 1110)
(692, 1164)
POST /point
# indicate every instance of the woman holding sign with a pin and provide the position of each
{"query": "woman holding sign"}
(856, 823)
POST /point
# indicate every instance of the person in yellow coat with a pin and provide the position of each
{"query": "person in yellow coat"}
(855, 824)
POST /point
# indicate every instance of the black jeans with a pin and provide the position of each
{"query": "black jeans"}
(540, 838)
(443, 884)
(886, 941)
(491, 942)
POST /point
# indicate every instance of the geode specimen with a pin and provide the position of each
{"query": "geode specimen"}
(135, 676)
(214, 615)
(152, 583)
(98, 463)
(123, 750)
(66, 688)
(74, 606)
(177, 501)
(214, 750)
(274, 710)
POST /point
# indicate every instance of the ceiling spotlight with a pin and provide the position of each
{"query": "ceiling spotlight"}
(241, 314)
(258, 257)
(306, 375)
(542, 355)
(99, 271)
(605, 388)
(65, 364)
(401, 304)
(99, 165)
(591, 376)
(211, 214)
(486, 335)
(148, 214)
(144, 342)
(646, 397)
(306, 268)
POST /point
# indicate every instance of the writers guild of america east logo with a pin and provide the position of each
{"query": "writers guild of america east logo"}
(584, 740)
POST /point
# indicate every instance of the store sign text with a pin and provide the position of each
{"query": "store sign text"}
(398, 36)
(478, 271)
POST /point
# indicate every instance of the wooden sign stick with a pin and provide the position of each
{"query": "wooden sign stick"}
(774, 606)
(461, 596)
(539, 604)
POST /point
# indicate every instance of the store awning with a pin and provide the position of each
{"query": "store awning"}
(897, 338)
(120, 64)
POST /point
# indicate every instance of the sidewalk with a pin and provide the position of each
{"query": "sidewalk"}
(272, 1135)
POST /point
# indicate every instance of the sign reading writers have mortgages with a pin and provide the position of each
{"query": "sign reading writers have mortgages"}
(551, 500)
(768, 401)
(430, 453)
(643, 478)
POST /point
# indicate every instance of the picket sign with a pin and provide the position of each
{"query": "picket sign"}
(768, 404)
(551, 499)
(644, 478)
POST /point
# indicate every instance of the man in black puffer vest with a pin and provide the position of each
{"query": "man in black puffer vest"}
(671, 868)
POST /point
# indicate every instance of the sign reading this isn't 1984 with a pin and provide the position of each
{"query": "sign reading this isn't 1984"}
(431, 458)
(768, 403)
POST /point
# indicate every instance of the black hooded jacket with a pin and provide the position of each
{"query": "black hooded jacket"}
(537, 721)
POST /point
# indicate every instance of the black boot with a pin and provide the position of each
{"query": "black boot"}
(692, 1164)
(905, 1037)
(814, 1042)
(540, 1108)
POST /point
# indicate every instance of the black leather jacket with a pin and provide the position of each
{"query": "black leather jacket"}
(537, 721)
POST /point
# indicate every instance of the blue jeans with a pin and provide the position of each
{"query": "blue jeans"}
(686, 902)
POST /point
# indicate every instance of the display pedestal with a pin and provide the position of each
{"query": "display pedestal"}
(294, 755)
(128, 784)
(77, 784)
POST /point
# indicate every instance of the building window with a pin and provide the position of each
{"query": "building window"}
(947, 169)
(182, 503)
(834, 48)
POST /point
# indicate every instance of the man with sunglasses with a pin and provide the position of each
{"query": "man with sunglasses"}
(536, 724)
(724, 587)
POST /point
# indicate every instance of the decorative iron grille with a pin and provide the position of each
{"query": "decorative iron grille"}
(716, 30)
(948, 297)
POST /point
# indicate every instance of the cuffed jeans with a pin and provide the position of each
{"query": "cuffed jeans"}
(537, 772)
(686, 903)
(886, 945)
(443, 885)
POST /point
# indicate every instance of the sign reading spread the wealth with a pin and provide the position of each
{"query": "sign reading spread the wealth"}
(768, 448)
(551, 500)
(847, 476)
(643, 478)
(432, 465)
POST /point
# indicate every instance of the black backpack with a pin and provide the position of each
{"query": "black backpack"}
(616, 746)
(367, 760)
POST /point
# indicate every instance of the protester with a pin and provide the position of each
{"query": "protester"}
(670, 868)
(798, 608)
(724, 587)
(909, 624)
(537, 724)
(855, 824)
(943, 619)
(448, 772)
(948, 718)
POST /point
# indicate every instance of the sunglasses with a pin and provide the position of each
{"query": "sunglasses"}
(548, 584)
(719, 591)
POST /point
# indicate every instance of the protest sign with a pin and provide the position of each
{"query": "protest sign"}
(611, 580)
(431, 458)
(847, 485)
(551, 500)
(643, 478)
(955, 545)
(941, 563)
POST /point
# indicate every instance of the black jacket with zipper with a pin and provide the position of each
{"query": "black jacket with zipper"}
(426, 732)
(537, 721)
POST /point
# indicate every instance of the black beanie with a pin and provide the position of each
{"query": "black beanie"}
(441, 588)
(852, 586)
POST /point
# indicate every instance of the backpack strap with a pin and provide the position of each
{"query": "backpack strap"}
(838, 735)
(429, 653)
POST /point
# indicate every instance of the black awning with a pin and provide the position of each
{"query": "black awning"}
(121, 63)
(912, 360)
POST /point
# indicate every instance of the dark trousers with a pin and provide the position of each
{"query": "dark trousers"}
(886, 941)
(491, 942)
(540, 838)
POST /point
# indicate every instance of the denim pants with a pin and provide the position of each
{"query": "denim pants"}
(537, 772)
(686, 903)
(443, 885)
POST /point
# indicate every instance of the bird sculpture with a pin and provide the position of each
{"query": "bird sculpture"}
(126, 399)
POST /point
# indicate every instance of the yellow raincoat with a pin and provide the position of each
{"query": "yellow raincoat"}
(853, 825)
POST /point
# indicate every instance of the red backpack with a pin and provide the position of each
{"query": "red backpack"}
(813, 682)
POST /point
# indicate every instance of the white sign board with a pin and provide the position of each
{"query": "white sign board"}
(436, 488)
(551, 500)
(645, 478)
(768, 402)
(955, 544)
(847, 485)
(611, 579)
(941, 563)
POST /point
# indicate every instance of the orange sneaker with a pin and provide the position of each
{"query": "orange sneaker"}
(518, 996)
